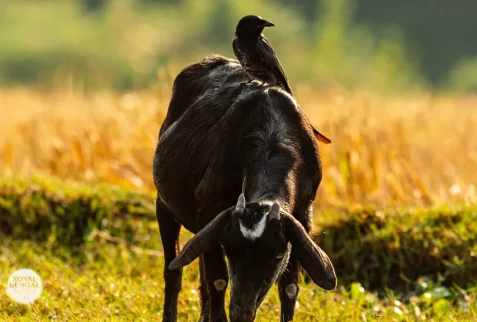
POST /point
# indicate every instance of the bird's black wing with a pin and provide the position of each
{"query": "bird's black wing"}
(268, 56)
(238, 53)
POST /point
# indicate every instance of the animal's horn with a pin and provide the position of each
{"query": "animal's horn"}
(275, 211)
(240, 203)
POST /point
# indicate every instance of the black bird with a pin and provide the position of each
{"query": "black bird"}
(257, 57)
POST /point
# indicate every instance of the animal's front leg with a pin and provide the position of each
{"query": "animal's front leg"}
(217, 279)
(204, 293)
(169, 230)
(288, 288)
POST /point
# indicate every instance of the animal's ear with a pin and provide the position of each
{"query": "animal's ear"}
(206, 237)
(312, 258)
(202, 241)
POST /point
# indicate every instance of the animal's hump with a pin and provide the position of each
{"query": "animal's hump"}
(202, 68)
(207, 63)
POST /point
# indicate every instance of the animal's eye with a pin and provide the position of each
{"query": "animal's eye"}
(280, 255)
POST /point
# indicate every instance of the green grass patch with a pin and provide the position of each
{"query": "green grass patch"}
(394, 248)
(66, 214)
(98, 251)
(118, 284)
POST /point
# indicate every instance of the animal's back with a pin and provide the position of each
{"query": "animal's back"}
(189, 134)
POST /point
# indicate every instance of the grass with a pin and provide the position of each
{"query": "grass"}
(116, 284)
(112, 266)
(393, 248)
(65, 215)
(380, 248)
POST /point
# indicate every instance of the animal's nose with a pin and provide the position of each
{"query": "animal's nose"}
(242, 313)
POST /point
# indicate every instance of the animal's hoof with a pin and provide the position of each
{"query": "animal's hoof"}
(204, 319)
(169, 319)
(219, 316)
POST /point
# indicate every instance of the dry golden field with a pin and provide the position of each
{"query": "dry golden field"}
(414, 149)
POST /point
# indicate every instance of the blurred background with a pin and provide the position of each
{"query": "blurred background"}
(121, 44)
(85, 85)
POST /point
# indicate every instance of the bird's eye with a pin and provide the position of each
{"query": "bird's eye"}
(280, 255)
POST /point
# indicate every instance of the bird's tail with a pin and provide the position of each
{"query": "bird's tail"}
(320, 137)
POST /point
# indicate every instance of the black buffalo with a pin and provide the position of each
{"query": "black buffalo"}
(237, 164)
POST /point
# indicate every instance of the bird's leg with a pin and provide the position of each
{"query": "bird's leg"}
(247, 82)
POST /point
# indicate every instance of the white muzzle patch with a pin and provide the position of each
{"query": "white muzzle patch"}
(256, 231)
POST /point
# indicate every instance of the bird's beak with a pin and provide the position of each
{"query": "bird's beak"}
(267, 24)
